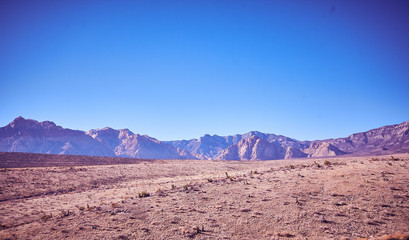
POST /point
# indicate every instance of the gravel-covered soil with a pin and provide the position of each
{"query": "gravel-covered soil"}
(327, 198)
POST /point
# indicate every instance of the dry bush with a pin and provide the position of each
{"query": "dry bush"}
(143, 194)
(46, 217)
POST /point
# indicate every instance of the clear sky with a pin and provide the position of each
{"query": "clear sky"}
(181, 69)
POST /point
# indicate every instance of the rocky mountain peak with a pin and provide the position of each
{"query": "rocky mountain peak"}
(253, 148)
(22, 123)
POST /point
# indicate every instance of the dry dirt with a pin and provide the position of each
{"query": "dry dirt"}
(331, 198)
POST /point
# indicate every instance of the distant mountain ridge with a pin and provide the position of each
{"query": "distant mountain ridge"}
(210, 147)
(27, 135)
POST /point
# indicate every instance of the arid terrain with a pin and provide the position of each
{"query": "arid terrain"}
(324, 198)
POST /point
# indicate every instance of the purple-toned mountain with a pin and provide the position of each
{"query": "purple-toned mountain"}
(26, 135)
(253, 148)
(256, 148)
(125, 143)
(384, 140)
(209, 147)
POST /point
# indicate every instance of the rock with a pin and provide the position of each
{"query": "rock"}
(322, 149)
(253, 148)
(292, 152)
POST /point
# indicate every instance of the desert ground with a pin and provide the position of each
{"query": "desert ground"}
(326, 198)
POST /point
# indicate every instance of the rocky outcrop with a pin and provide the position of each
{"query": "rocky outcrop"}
(111, 138)
(142, 146)
(208, 146)
(322, 149)
(253, 148)
(292, 152)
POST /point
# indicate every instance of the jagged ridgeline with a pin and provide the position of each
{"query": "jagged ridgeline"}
(27, 135)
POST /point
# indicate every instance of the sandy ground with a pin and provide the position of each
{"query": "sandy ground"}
(332, 198)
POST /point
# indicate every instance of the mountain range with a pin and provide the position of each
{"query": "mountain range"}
(27, 135)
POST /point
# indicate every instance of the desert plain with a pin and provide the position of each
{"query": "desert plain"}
(325, 198)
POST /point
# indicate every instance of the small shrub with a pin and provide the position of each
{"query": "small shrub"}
(327, 163)
(143, 194)
(229, 177)
(160, 192)
(210, 180)
(65, 213)
(292, 166)
(46, 217)
(394, 159)
(173, 187)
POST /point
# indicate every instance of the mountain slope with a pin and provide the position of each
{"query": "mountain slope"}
(125, 143)
(209, 147)
(383, 140)
(26, 135)
(253, 148)
(322, 149)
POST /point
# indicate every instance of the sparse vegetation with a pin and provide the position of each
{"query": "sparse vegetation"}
(161, 192)
(143, 194)
(202, 194)
(394, 159)
(327, 163)
(229, 177)
(65, 213)
(46, 217)
(89, 208)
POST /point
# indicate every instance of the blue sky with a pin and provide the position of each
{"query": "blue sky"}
(181, 69)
